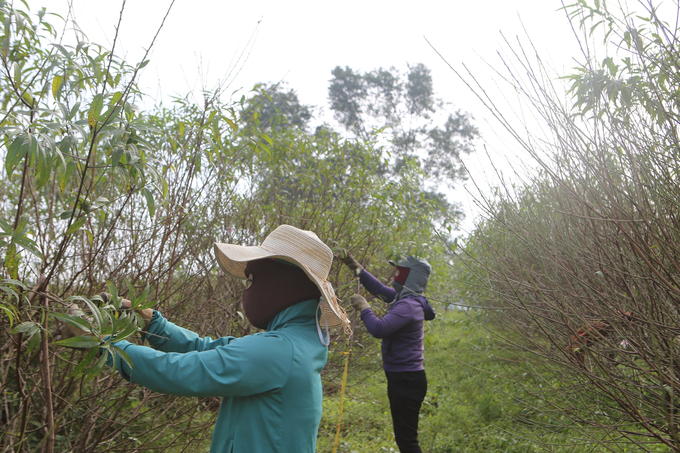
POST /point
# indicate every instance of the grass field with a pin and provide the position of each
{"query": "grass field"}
(475, 401)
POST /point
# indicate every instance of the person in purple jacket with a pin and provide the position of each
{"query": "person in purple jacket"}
(402, 332)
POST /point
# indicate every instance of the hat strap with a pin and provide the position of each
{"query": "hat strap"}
(327, 341)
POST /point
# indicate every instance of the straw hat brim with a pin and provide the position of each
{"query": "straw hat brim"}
(233, 259)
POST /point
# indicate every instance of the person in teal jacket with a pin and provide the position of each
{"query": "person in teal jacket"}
(270, 381)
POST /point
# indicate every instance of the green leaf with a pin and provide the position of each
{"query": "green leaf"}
(62, 49)
(148, 304)
(116, 155)
(75, 226)
(129, 330)
(74, 111)
(44, 172)
(11, 292)
(122, 321)
(16, 151)
(141, 299)
(91, 354)
(93, 309)
(26, 326)
(95, 110)
(149, 201)
(81, 342)
(17, 74)
(124, 355)
(29, 245)
(131, 291)
(10, 281)
(66, 176)
(107, 352)
(33, 344)
(113, 291)
(268, 139)
(231, 123)
(108, 322)
(56, 84)
(74, 321)
(8, 312)
(98, 366)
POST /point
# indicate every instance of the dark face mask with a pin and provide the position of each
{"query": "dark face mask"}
(274, 287)
(402, 273)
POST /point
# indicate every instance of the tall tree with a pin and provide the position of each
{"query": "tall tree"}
(275, 107)
(404, 105)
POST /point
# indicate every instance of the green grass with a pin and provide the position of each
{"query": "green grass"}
(475, 401)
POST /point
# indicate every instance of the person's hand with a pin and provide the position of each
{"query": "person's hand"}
(359, 303)
(348, 259)
(125, 304)
(67, 330)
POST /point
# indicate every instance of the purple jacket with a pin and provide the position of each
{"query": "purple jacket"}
(401, 329)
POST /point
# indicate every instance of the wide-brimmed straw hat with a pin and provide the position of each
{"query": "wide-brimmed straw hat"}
(300, 247)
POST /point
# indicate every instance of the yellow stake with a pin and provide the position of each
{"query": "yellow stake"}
(342, 398)
(344, 376)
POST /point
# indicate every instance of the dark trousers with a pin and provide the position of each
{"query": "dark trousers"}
(406, 391)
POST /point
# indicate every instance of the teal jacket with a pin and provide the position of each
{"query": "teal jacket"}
(270, 381)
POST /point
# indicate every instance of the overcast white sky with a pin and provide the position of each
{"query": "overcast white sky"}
(301, 41)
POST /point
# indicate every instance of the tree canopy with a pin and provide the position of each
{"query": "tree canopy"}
(404, 105)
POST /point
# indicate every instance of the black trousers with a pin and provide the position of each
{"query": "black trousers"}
(406, 391)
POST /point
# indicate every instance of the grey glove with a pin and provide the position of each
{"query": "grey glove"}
(359, 303)
(349, 260)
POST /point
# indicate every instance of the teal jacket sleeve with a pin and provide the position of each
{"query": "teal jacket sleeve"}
(168, 337)
(241, 367)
